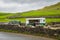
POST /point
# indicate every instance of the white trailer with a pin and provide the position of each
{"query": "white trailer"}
(35, 21)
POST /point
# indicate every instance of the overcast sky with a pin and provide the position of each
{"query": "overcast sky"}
(24, 5)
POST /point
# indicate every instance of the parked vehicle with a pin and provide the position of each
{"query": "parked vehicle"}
(14, 22)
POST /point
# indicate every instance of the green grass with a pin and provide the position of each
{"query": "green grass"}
(49, 20)
(23, 20)
(4, 20)
(42, 13)
(5, 15)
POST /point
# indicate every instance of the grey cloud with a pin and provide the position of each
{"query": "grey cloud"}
(7, 9)
(29, 1)
(32, 5)
(21, 1)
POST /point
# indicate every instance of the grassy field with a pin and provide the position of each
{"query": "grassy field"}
(23, 20)
(43, 13)
(49, 20)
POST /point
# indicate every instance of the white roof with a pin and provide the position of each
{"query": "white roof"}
(33, 18)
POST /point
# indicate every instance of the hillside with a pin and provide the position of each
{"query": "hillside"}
(53, 10)
(3, 16)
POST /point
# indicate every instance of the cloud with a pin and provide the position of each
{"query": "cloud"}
(28, 1)
(21, 1)
(24, 5)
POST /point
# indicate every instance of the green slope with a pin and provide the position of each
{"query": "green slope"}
(3, 16)
(53, 10)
